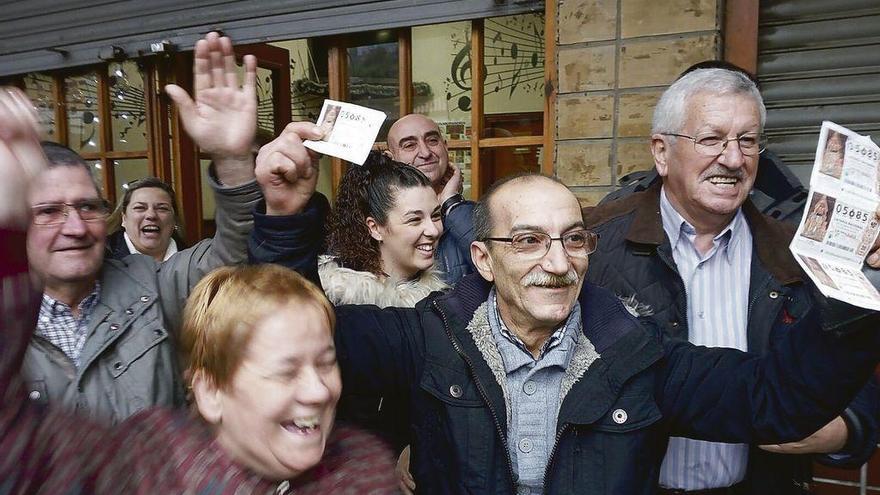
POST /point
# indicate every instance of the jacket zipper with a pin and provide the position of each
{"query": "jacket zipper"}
(752, 302)
(553, 455)
(483, 394)
(684, 311)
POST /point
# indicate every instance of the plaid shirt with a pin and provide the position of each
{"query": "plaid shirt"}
(58, 324)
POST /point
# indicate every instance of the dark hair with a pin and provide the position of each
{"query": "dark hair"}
(369, 190)
(58, 155)
(114, 222)
(482, 215)
(719, 64)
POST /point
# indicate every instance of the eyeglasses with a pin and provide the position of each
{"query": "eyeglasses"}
(532, 245)
(90, 210)
(750, 144)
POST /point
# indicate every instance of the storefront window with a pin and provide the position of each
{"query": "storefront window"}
(128, 170)
(514, 86)
(373, 76)
(128, 111)
(98, 173)
(504, 161)
(81, 104)
(441, 75)
(39, 88)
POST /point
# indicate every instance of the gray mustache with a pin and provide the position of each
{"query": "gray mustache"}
(724, 171)
(544, 279)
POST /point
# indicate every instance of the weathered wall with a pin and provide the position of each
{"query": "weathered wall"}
(614, 58)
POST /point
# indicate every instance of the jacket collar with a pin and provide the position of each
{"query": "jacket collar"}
(768, 234)
(119, 289)
(614, 348)
(346, 286)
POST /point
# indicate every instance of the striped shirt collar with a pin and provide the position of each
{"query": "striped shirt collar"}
(675, 225)
(572, 324)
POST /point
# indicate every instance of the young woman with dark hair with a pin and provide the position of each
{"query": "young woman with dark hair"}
(382, 234)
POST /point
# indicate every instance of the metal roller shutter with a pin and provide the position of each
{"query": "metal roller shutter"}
(48, 34)
(818, 60)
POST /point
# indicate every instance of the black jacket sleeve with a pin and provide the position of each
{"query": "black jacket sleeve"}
(861, 421)
(380, 352)
(294, 241)
(785, 395)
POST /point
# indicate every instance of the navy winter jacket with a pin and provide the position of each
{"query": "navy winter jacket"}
(615, 420)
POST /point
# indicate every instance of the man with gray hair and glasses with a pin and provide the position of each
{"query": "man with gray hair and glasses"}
(104, 338)
(717, 272)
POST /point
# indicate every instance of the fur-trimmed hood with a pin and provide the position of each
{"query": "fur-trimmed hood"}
(346, 286)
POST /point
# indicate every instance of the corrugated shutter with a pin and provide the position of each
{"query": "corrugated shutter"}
(50, 34)
(818, 60)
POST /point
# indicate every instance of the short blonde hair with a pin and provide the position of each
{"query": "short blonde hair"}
(224, 308)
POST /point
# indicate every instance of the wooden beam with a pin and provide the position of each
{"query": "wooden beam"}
(550, 83)
(512, 141)
(741, 33)
(276, 60)
(158, 125)
(187, 173)
(105, 133)
(404, 70)
(458, 144)
(61, 127)
(337, 74)
(478, 70)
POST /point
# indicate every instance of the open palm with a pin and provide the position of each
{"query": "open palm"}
(223, 118)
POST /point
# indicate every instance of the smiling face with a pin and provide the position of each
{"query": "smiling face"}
(277, 412)
(409, 237)
(149, 221)
(71, 253)
(707, 190)
(416, 140)
(532, 293)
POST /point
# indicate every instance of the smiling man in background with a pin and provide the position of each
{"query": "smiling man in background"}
(717, 272)
(416, 140)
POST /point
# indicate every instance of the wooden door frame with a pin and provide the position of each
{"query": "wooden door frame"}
(740, 36)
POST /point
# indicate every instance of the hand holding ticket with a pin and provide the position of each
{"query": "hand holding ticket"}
(840, 224)
(349, 131)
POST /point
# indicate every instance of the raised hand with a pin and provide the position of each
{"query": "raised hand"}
(222, 120)
(287, 171)
(453, 183)
(21, 157)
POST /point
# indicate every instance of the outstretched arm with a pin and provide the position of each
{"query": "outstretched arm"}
(21, 161)
(222, 119)
(806, 380)
(289, 228)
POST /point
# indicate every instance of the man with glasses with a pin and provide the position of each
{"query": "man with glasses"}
(717, 272)
(104, 338)
(524, 379)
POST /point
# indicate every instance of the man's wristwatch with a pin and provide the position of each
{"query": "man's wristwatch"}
(450, 203)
